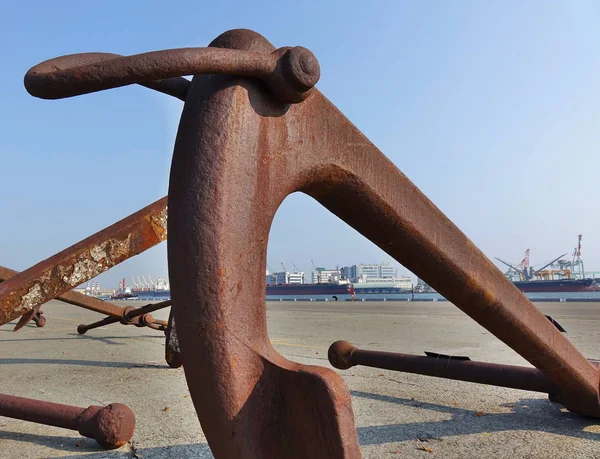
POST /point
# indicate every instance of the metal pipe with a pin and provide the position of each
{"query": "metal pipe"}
(147, 309)
(343, 355)
(111, 426)
(82, 329)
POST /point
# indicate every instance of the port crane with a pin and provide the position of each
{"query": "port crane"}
(525, 271)
(577, 260)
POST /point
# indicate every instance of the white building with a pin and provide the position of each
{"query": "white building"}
(324, 275)
(365, 272)
(403, 282)
(285, 277)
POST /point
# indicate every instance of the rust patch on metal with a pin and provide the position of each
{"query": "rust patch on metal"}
(159, 224)
(95, 261)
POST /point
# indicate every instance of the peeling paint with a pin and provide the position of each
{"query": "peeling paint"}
(118, 249)
(98, 252)
(159, 224)
(82, 271)
(98, 260)
(31, 298)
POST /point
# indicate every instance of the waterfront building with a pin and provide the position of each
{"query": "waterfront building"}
(285, 277)
(325, 276)
(403, 282)
(364, 272)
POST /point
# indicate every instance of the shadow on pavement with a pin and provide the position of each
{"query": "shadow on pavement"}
(85, 363)
(528, 414)
(76, 336)
(91, 450)
(67, 444)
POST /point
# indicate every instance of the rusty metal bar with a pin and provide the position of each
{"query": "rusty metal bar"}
(82, 329)
(147, 309)
(74, 298)
(83, 261)
(111, 426)
(343, 355)
(290, 72)
(126, 316)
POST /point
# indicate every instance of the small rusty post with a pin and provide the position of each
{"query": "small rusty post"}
(111, 426)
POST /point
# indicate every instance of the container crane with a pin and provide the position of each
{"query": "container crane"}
(134, 282)
(525, 271)
(577, 260)
(152, 284)
(523, 268)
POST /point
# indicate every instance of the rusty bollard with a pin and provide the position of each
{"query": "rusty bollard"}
(111, 426)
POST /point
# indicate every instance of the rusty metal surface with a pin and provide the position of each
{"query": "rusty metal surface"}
(74, 298)
(111, 426)
(62, 272)
(224, 192)
(140, 317)
(251, 402)
(343, 355)
(290, 73)
(39, 319)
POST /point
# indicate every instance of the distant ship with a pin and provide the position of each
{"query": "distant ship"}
(564, 285)
(147, 290)
(546, 279)
(310, 292)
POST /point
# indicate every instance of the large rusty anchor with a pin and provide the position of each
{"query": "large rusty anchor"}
(22, 294)
(253, 131)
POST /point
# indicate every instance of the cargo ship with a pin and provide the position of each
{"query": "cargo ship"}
(564, 285)
(559, 275)
(310, 292)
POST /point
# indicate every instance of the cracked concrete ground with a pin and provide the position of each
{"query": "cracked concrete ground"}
(397, 414)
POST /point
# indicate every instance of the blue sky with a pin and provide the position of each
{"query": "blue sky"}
(491, 108)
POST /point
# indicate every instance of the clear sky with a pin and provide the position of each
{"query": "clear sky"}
(490, 108)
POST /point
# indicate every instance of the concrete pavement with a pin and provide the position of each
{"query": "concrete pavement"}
(397, 415)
